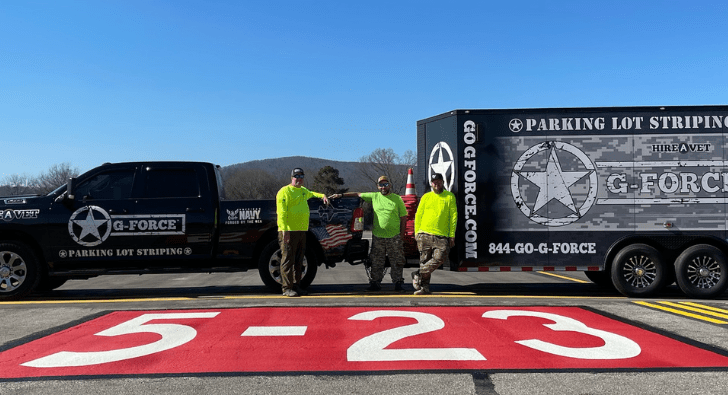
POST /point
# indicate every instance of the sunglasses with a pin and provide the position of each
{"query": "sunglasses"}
(384, 184)
(298, 176)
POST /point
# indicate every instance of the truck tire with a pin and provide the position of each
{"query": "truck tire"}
(19, 270)
(638, 271)
(702, 271)
(269, 267)
(602, 279)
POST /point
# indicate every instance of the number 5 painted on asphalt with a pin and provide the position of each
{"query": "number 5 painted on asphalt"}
(615, 346)
(173, 335)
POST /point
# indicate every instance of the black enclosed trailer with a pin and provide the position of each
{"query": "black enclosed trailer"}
(633, 196)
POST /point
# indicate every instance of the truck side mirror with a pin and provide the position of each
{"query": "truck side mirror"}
(69, 188)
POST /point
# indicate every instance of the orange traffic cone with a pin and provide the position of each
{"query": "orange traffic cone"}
(410, 184)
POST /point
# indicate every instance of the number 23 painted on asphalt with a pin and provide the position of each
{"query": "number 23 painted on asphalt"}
(368, 349)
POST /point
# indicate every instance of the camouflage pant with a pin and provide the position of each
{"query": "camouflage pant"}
(381, 248)
(433, 252)
(292, 258)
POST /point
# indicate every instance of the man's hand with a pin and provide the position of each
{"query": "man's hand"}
(286, 236)
(326, 201)
(452, 242)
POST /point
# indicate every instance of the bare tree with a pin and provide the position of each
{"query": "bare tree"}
(385, 162)
(19, 184)
(55, 176)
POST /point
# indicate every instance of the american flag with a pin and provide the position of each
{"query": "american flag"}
(331, 236)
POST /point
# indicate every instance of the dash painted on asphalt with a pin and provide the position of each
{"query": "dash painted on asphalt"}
(275, 331)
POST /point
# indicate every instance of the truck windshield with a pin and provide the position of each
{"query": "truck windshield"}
(57, 190)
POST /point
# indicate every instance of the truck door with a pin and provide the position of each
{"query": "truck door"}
(175, 214)
(81, 231)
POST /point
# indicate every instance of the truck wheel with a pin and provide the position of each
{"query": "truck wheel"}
(269, 267)
(602, 279)
(19, 270)
(702, 271)
(638, 271)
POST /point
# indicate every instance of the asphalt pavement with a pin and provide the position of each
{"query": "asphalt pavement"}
(80, 300)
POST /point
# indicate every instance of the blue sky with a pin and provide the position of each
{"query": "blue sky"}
(96, 81)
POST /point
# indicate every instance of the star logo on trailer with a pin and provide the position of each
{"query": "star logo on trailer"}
(89, 226)
(554, 183)
(516, 125)
(442, 162)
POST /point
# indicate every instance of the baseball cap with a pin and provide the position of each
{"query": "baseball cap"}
(297, 170)
(383, 178)
(436, 176)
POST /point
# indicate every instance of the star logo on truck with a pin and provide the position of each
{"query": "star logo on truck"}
(89, 226)
(554, 184)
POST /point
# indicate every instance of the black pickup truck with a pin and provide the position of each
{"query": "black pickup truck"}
(158, 217)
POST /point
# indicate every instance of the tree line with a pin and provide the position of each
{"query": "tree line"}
(259, 183)
(45, 182)
(243, 183)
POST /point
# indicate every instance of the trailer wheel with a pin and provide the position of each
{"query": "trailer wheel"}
(638, 271)
(602, 279)
(702, 271)
(19, 270)
(269, 267)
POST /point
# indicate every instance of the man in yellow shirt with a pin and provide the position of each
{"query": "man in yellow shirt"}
(293, 213)
(390, 220)
(435, 222)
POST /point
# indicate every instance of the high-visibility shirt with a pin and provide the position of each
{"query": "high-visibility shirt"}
(292, 207)
(388, 211)
(437, 214)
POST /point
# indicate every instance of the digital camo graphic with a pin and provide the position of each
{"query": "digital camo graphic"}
(644, 182)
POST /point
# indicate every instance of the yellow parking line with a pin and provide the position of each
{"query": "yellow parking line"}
(453, 295)
(680, 312)
(706, 307)
(564, 277)
(696, 309)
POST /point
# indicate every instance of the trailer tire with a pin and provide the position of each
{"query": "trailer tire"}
(702, 271)
(19, 270)
(269, 267)
(638, 271)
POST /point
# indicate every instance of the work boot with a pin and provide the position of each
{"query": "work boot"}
(416, 280)
(290, 293)
(423, 291)
(398, 285)
(374, 286)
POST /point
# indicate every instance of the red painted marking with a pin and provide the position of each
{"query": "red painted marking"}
(333, 339)
(527, 269)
